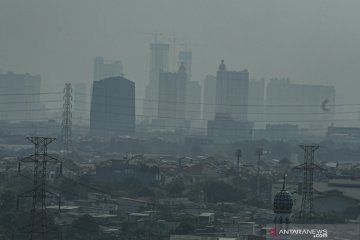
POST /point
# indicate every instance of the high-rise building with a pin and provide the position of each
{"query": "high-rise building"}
(159, 61)
(106, 69)
(256, 107)
(209, 98)
(113, 107)
(308, 106)
(193, 105)
(232, 89)
(20, 97)
(80, 112)
(230, 122)
(172, 95)
(185, 57)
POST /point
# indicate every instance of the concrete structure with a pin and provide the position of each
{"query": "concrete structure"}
(309, 106)
(225, 129)
(344, 134)
(193, 105)
(172, 97)
(209, 98)
(256, 108)
(231, 106)
(159, 62)
(113, 107)
(106, 69)
(80, 110)
(185, 57)
(232, 92)
(20, 97)
(278, 132)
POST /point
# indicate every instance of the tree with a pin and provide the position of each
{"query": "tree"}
(222, 192)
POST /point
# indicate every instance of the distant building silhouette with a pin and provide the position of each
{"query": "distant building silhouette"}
(224, 129)
(79, 109)
(209, 98)
(230, 122)
(232, 88)
(309, 106)
(159, 61)
(172, 94)
(185, 57)
(193, 105)
(20, 97)
(113, 107)
(106, 69)
(256, 108)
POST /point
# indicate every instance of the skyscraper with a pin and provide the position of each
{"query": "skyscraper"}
(172, 93)
(209, 98)
(20, 97)
(309, 106)
(230, 122)
(232, 89)
(186, 58)
(79, 109)
(106, 69)
(113, 107)
(193, 105)
(159, 61)
(256, 108)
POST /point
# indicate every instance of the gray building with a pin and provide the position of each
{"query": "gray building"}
(224, 129)
(106, 69)
(20, 97)
(113, 107)
(256, 108)
(80, 110)
(230, 123)
(193, 105)
(232, 88)
(209, 98)
(172, 95)
(159, 62)
(308, 106)
(185, 57)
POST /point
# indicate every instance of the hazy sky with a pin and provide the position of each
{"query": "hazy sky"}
(310, 41)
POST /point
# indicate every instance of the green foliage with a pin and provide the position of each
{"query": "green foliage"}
(222, 192)
(175, 188)
(185, 228)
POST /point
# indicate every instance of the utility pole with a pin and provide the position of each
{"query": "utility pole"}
(38, 227)
(66, 120)
(259, 152)
(308, 167)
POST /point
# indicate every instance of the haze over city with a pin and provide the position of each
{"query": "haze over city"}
(179, 119)
(308, 41)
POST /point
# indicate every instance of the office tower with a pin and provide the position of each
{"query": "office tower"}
(79, 106)
(256, 108)
(193, 105)
(209, 98)
(230, 122)
(186, 58)
(113, 107)
(106, 69)
(309, 106)
(172, 93)
(232, 89)
(20, 97)
(159, 61)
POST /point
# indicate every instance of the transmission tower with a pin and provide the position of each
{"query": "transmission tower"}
(38, 227)
(66, 120)
(308, 167)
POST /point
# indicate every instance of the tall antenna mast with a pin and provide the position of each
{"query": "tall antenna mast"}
(66, 121)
